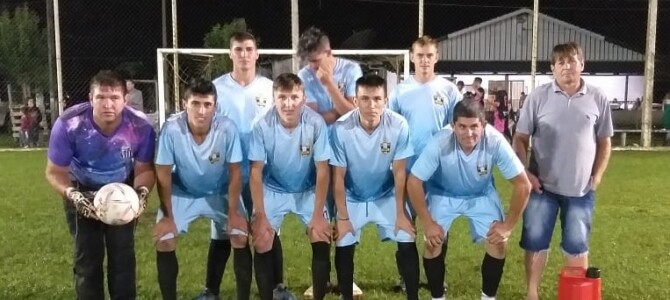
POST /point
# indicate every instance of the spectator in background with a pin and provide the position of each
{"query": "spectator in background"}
(134, 96)
(36, 115)
(522, 99)
(501, 114)
(26, 127)
(460, 84)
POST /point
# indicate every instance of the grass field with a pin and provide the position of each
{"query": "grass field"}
(629, 242)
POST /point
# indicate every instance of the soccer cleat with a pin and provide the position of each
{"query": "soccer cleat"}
(207, 295)
(357, 291)
(485, 297)
(281, 293)
(400, 286)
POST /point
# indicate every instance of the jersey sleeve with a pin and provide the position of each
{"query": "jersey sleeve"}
(604, 127)
(404, 148)
(526, 123)
(393, 104)
(234, 146)
(321, 142)
(353, 74)
(60, 150)
(339, 158)
(509, 164)
(428, 161)
(147, 147)
(257, 145)
(165, 154)
(304, 75)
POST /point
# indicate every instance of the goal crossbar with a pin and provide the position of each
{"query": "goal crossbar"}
(161, 52)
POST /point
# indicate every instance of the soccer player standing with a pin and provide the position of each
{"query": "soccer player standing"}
(571, 125)
(93, 144)
(370, 146)
(289, 155)
(198, 172)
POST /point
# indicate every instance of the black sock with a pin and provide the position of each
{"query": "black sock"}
(492, 270)
(242, 266)
(398, 265)
(409, 266)
(168, 268)
(320, 268)
(278, 269)
(344, 267)
(435, 269)
(264, 266)
(219, 252)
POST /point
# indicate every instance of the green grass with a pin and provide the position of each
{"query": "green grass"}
(629, 242)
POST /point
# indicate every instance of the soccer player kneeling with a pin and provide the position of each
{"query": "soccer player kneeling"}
(199, 175)
(370, 146)
(456, 166)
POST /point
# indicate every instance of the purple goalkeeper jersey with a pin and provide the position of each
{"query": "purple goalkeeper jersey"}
(95, 159)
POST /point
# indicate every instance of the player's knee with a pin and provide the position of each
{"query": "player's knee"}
(238, 241)
(166, 245)
(263, 246)
(496, 250)
(314, 237)
(430, 251)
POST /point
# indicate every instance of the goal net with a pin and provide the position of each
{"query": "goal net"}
(176, 67)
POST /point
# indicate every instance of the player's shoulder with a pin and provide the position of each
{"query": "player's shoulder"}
(346, 121)
(596, 92)
(136, 117)
(75, 111)
(311, 117)
(263, 81)
(348, 65)
(176, 123)
(493, 136)
(221, 79)
(445, 83)
(304, 73)
(394, 119)
(221, 122)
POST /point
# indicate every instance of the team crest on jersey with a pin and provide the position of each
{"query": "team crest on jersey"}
(214, 157)
(482, 170)
(385, 147)
(438, 99)
(126, 153)
(306, 150)
(261, 101)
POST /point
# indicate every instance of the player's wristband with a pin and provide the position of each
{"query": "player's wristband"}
(342, 219)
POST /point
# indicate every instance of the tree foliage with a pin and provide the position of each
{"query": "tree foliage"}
(219, 38)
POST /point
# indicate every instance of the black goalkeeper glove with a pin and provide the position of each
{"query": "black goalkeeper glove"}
(82, 205)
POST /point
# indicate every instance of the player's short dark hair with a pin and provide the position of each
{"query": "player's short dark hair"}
(371, 80)
(241, 36)
(478, 79)
(566, 50)
(312, 40)
(108, 78)
(425, 40)
(286, 81)
(200, 87)
(469, 108)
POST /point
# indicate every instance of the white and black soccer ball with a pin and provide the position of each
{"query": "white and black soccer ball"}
(116, 204)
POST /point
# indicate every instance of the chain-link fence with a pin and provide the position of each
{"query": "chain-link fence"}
(486, 39)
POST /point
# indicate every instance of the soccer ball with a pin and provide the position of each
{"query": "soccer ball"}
(116, 204)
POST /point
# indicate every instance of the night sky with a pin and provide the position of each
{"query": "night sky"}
(104, 33)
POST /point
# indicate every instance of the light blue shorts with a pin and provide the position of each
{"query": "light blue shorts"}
(381, 212)
(187, 209)
(277, 205)
(481, 212)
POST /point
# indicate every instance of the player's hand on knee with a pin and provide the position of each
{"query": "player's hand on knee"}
(319, 229)
(403, 223)
(142, 195)
(498, 233)
(164, 227)
(262, 233)
(434, 234)
(237, 223)
(343, 227)
(82, 205)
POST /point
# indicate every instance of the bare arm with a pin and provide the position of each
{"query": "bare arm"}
(400, 178)
(58, 177)
(342, 104)
(234, 186)
(520, 192)
(164, 187)
(417, 197)
(256, 185)
(322, 181)
(339, 192)
(603, 151)
(144, 175)
(520, 145)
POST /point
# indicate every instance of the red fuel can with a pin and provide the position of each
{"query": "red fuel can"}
(576, 283)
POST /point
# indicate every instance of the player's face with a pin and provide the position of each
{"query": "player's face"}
(243, 54)
(107, 102)
(317, 57)
(371, 102)
(289, 102)
(424, 57)
(468, 131)
(567, 69)
(200, 111)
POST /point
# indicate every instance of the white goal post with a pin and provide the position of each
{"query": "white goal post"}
(161, 58)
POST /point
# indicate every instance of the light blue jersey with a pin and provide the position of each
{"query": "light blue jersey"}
(243, 105)
(198, 170)
(451, 173)
(428, 107)
(289, 156)
(345, 74)
(369, 157)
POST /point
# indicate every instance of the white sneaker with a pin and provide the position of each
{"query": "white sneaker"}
(309, 293)
(485, 297)
(357, 291)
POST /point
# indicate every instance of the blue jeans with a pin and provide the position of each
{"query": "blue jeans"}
(539, 218)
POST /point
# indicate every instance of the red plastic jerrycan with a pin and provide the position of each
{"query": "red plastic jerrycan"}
(576, 283)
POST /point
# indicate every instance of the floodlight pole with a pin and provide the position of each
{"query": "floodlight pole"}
(420, 18)
(533, 51)
(649, 59)
(295, 32)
